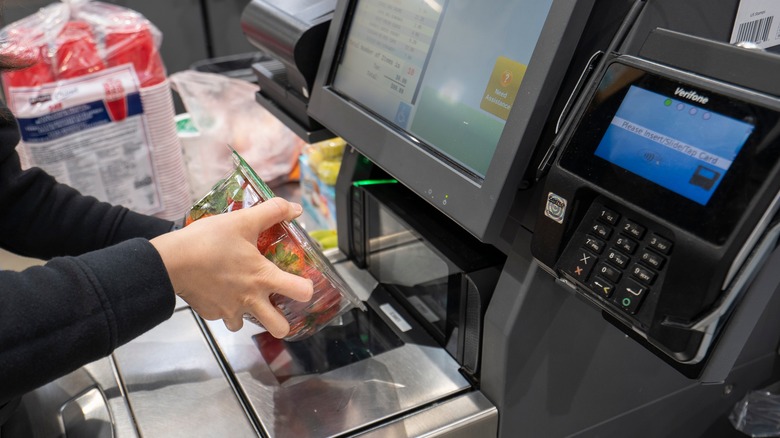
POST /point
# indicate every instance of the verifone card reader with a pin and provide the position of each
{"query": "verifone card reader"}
(652, 211)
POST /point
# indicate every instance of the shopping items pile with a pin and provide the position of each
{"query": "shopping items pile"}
(223, 110)
(94, 104)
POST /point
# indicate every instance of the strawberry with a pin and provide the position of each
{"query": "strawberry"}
(307, 318)
(287, 255)
(234, 205)
(296, 327)
(269, 237)
(237, 196)
(195, 215)
(325, 317)
(326, 303)
(283, 304)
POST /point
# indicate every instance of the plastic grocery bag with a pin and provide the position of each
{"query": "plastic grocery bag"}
(758, 413)
(224, 110)
(77, 37)
(289, 247)
(95, 108)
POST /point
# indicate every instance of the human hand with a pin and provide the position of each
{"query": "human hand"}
(215, 266)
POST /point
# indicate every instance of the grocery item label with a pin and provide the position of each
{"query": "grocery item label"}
(757, 21)
(90, 132)
(394, 316)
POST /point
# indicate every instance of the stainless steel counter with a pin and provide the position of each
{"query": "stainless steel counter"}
(189, 377)
(175, 385)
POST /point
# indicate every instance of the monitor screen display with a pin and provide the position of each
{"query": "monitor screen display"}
(439, 71)
(672, 142)
(451, 97)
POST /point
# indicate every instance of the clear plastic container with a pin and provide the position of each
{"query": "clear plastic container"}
(289, 247)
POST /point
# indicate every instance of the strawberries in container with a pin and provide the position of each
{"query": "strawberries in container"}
(289, 247)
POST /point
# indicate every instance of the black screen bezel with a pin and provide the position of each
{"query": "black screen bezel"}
(715, 221)
(481, 206)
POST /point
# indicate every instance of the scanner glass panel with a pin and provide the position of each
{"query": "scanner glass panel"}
(356, 336)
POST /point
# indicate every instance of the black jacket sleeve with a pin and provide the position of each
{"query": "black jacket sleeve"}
(74, 310)
(103, 285)
(43, 219)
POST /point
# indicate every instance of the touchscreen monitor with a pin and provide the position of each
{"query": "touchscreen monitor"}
(426, 68)
(449, 97)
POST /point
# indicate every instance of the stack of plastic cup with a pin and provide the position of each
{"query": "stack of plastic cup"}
(77, 52)
(134, 44)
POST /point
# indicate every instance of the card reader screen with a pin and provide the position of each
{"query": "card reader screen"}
(673, 142)
(694, 152)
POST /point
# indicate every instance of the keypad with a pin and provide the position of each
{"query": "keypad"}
(579, 264)
(633, 229)
(619, 258)
(626, 244)
(594, 244)
(601, 286)
(659, 243)
(610, 272)
(629, 296)
(609, 216)
(602, 230)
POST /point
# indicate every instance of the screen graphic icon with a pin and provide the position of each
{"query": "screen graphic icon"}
(402, 115)
(704, 177)
(502, 87)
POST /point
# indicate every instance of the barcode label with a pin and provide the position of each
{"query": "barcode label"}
(396, 317)
(755, 31)
(756, 23)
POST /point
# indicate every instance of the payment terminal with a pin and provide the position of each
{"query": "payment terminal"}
(654, 209)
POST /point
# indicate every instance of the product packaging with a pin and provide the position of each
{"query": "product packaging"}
(94, 105)
(319, 165)
(289, 247)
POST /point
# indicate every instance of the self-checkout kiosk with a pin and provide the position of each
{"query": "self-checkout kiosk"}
(561, 215)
